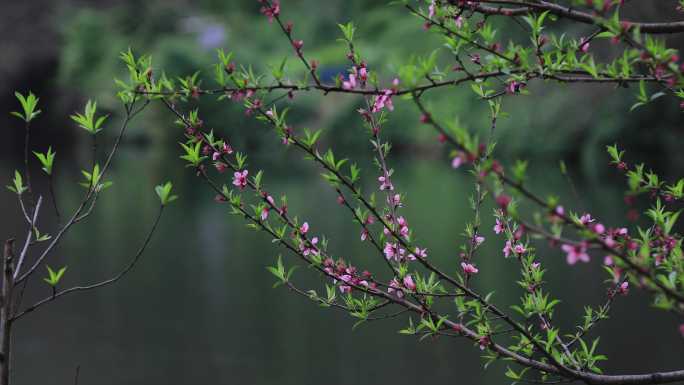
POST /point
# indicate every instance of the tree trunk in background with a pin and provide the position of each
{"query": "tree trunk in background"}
(6, 312)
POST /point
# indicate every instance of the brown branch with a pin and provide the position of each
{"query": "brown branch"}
(121, 274)
(527, 7)
(130, 113)
(679, 297)
(32, 226)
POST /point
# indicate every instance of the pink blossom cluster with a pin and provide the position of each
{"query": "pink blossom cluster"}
(364, 232)
(220, 166)
(357, 78)
(240, 179)
(305, 246)
(240, 94)
(384, 100)
(265, 211)
(270, 9)
(398, 287)
(385, 183)
(394, 251)
(469, 268)
(512, 245)
(614, 237)
(347, 276)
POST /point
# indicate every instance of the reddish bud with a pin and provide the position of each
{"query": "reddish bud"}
(503, 201)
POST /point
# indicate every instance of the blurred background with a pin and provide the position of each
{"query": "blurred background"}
(200, 307)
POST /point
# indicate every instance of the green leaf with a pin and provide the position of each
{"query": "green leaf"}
(54, 277)
(28, 104)
(347, 31)
(87, 120)
(93, 179)
(164, 193)
(18, 181)
(192, 154)
(46, 160)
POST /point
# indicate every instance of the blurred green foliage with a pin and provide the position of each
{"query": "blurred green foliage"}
(555, 121)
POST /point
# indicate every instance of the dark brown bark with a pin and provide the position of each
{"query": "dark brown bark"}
(5, 311)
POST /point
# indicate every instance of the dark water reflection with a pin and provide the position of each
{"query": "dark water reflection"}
(200, 307)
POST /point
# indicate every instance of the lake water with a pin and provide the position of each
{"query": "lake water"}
(200, 309)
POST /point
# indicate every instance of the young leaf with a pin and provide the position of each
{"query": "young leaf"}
(87, 120)
(28, 104)
(164, 193)
(18, 181)
(54, 277)
(46, 160)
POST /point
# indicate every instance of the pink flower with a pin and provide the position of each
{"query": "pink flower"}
(519, 249)
(499, 227)
(560, 211)
(457, 161)
(421, 253)
(240, 179)
(478, 239)
(364, 235)
(221, 167)
(576, 253)
(306, 249)
(392, 250)
(403, 226)
(469, 268)
(264, 213)
(608, 260)
(270, 113)
(624, 288)
(395, 287)
(681, 329)
(385, 183)
(503, 201)
(586, 219)
(298, 44)
(484, 341)
(394, 200)
(345, 289)
(431, 9)
(408, 283)
(599, 228)
(383, 101)
(271, 11)
(535, 265)
(363, 74)
(508, 248)
(304, 228)
(584, 45)
(609, 241)
(514, 87)
(351, 83)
